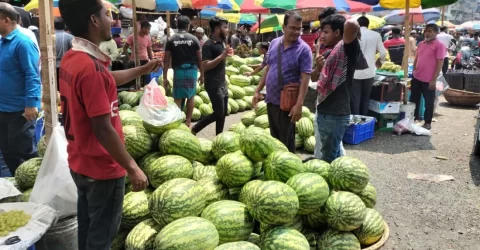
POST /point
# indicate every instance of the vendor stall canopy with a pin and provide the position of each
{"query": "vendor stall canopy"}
(401, 4)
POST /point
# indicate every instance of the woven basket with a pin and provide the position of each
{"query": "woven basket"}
(461, 98)
(310, 100)
(472, 81)
(381, 242)
(455, 79)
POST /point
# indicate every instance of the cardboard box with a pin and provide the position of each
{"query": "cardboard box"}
(384, 107)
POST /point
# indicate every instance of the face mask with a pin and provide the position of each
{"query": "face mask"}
(429, 39)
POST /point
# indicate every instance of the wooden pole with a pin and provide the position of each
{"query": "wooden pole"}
(407, 48)
(48, 72)
(443, 15)
(169, 23)
(138, 84)
(260, 26)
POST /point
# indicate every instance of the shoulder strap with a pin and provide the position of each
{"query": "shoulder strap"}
(280, 75)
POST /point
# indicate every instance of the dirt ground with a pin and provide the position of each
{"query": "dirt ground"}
(423, 215)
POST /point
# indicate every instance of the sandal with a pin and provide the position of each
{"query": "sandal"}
(427, 126)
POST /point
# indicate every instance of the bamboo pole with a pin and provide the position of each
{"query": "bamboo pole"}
(407, 48)
(48, 63)
(135, 42)
(443, 15)
(169, 23)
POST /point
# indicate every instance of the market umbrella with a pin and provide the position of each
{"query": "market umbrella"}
(468, 25)
(34, 5)
(401, 4)
(340, 5)
(251, 6)
(230, 17)
(417, 15)
(375, 21)
(270, 24)
(448, 24)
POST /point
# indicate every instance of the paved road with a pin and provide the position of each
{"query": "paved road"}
(423, 215)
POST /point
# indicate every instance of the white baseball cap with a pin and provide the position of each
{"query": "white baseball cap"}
(199, 30)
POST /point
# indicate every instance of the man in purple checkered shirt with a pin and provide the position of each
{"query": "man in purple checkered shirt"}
(296, 66)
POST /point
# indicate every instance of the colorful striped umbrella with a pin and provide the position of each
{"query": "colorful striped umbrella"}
(238, 18)
(34, 5)
(270, 24)
(448, 24)
(417, 15)
(401, 4)
(375, 22)
(341, 5)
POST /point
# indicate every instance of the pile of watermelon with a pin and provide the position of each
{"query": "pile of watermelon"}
(25, 177)
(242, 190)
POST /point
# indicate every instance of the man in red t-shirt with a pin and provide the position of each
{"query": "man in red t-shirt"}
(308, 36)
(395, 46)
(97, 156)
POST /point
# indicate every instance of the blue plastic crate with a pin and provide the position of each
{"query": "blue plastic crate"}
(4, 171)
(116, 30)
(156, 75)
(421, 112)
(357, 133)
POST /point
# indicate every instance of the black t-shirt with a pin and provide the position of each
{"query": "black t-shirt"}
(338, 102)
(215, 77)
(25, 16)
(183, 47)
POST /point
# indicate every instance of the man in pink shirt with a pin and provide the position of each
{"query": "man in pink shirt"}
(144, 46)
(426, 68)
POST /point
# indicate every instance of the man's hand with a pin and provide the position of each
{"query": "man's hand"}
(247, 73)
(378, 63)
(255, 99)
(152, 66)
(138, 179)
(432, 85)
(31, 114)
(226, 52)
(201, 79)
(296, 113)
(319, 62)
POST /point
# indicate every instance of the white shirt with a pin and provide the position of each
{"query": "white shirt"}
(30, 35)
(446, 39)
(370, 43)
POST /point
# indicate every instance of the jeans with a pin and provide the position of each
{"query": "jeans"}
(360, 96)
(219, 99)
(16, 139)
(331, 130)
(318, 142)
(99, 211)
(420, 88)
(281, 126)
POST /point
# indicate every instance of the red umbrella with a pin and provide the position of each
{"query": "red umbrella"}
(249, 6)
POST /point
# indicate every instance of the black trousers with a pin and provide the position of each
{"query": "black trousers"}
(99, 211)
(445, 65)
(16, 139)
(281, 126)
(420, 88)
(360, 96)
(131, 64)
(219, 99)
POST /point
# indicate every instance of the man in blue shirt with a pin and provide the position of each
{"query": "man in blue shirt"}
(20, 91)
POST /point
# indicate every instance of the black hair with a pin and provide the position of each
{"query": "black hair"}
(432, 26)
(443, 28)
(7, 10)
(77, 13)
(145, 24)
(264, 45)
(306, 26)
(363, 21)
(335, 21)
(216, 22)
(59, 24)
(116, 35)
(327, 12)
(476, 34)
(396, 31)
(292, 14)
(182, 22)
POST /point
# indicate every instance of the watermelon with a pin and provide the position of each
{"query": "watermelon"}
(240, 245)
(248, 102)
(240, 128)
(138, 141)
(281, 166)
(125, 107)
(135, 208)
(189, 233)
(233, 104)
(161, 129)
(176, 199)
(148, 159)
(179, 142)
(234, 169)
(225, 143)
(261, 121)
(318, 167)
(232, 220)
(205, 110)
(231, 70)
(167, 168)
(25, 196)
(257, 145)
(247, 191)
(238, 62)
(368, 196)
(306, 112)
(142, 236)
(279, 146)
(237, 92)
(310, 144)
(344, 211)
(131, 98)
(284, 238)
(304, 127)
(242, 105)
(312, 191)
(41, 146)
(202, 172)
(336, 240)
(204, 96)
(230, 93)
(248, 118)
(183, 127)
(198, 101)
(316, 219)
(272, 202)
(26, 173)
(348, 174)
(249, 90)
(129, 117)
(135, 108)
(254, 238)
(261, 108)
(296, 224)
(214, 190)
(206, 155)
(196, 114)
(371, 229)
(257, 169)
(299, 141)
(234, 193)
(118, 242)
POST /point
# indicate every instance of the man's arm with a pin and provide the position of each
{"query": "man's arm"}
(381, 49)
(125, 76)
(112, 47)
(150, 52)
(351, 29)
(29, 59)
(125, 49)
(210, 64)
(257, 69)
(261, 85)
(199, 64)
(166, 65)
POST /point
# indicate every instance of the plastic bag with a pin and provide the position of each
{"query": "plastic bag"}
(126, 12)
(154, 108)
(54, 185)
(407, 125)
(414, 128)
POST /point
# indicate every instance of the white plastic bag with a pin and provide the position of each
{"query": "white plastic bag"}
(54, 185)
(126, 12)
(407, 125)
(154, 108)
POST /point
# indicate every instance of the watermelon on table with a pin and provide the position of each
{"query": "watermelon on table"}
(316, 219)
(304, 127)
(281, 166)
(337, 240)
(176, 199)
(118, 242)
(214, 190)
(312, 191)
(167, 168)
(189, 233)
(138, 141)
(41, 146)
(348, 174)
(26, 173)
(284, 238)
(369, 195)
(202, 172)
(232, 220)
(135, 208)
(318, 167)
(129, 117)
(239, 245)
(142, 236)
(248, 118)
(206, 155)
(371, 229)
(225, 143)
(179, 142)
(309, 144)
(234, 169)
(345, 211)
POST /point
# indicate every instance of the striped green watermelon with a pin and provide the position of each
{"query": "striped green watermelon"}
(214, 190)
(179, 142)
(344, 211)
(232, 127)
(129, 117)
(257, 169)
(272, 202)
(257, 145)
(232, 220)
(189, 233)
(318, 167)
(281, 166)
(309, 144)
(196, 114)
(234, 105)
(125, 107)
(242, 105)
(41, 146)
(204, 96)
(161, 129)
(167, 168)
(148, 159)
(135, 208)
(205, 109)
(142, 236)
(240, 245)
(284, 238)
(155, 139)
(249, 90)
(304, 127)
(296, 223)
(279, 146)
(312, 191)
(234, 193)
(237, 92)
(196, 164)
(254, 238)
(267, 131)
(122, 94)
(248, 118)
(371, 229)
(138, 141)
(234, 169)
(230, 93)
(261, 121)
(176, 199)
(261, 108)
(247, 191)
(316, 219)
(337, 240)
(118, 242)
(369, 196)
(348, 174)
(206, 155)
(240, 128)
(298, 141)
(26, 173)
(248, 102)
(25, 196)
(306, 112)
(184, 127)
(135, 108)
(130, 98)
(202, 172)
(225, 143)
(198, 101)
(229, 110)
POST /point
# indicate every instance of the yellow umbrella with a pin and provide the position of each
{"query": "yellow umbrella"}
(446, 23)
(230, 17)
(34, 5)
(375, 21)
